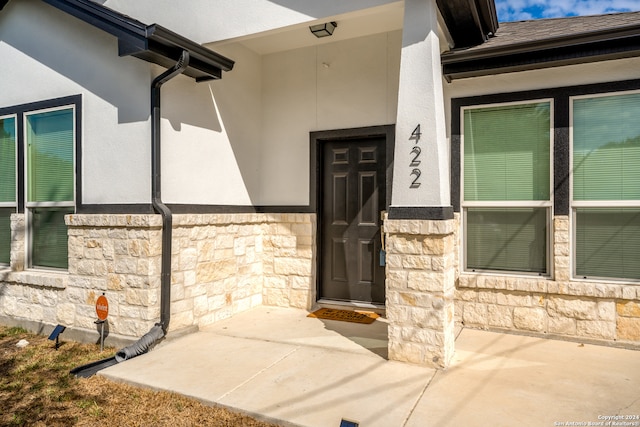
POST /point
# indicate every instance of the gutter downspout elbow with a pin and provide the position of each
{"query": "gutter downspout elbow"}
(156, 192)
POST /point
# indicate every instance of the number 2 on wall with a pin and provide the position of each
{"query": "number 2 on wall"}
(415, 184)
(416, 153)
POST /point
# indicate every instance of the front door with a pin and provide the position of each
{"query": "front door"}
(353, 196)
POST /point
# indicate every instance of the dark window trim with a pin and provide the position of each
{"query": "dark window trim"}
(421, 212)
(20, 111)
(181, 209)
(96, 209)
(561, 163)
(239, 209)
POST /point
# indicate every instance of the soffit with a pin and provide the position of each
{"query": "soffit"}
(365, 22)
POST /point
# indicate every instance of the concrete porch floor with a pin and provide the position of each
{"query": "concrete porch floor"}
(281, 366)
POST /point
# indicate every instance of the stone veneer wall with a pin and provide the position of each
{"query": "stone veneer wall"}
(25, 295)
(222, 264)
(117, 255)
(593, 310)
(420, 290)
(289, 245)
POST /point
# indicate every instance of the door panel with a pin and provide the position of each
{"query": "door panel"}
(353, 177)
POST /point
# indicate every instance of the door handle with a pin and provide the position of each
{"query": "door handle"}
(383, 252)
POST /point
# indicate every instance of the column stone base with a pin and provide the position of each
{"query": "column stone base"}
(420, 284)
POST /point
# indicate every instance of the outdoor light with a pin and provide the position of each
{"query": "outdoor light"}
(55, 334)
(323, 30)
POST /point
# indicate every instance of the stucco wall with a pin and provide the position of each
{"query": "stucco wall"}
(333, 86)
(47, 54)
(244, 140)
(211, 135)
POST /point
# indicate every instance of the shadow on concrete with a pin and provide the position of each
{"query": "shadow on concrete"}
(373, 337)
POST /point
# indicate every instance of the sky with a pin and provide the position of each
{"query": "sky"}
(519, 10)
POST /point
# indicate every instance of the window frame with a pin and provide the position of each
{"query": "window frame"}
(29, 207)
(546, 204)
(14, 204)
(574, 205)
(21, 111)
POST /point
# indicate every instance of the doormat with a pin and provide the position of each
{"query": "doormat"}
(345, 315)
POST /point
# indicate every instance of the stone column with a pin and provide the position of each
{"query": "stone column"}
(420, 290)
(17, 241)
(420, 225)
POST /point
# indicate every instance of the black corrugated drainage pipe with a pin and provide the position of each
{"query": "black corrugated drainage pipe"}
(156, 193)
(144, 344)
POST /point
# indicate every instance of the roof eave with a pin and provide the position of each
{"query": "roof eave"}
(470, 22)
(152, 43)
(565, 50)
(453, 74)
(544, 44)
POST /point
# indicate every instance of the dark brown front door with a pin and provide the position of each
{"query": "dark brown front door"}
(353, 183)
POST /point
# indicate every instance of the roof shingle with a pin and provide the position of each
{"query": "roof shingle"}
(537, 30)
(542, 43)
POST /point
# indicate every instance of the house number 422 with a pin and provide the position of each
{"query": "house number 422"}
(415, 155)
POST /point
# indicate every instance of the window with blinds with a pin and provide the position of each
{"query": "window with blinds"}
(506, 194)
(7, 184)
(49, 184)
(606, 186)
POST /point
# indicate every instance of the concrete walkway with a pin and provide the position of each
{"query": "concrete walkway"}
(279, 365)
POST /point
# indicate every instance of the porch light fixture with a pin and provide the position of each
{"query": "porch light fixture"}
(323, 30)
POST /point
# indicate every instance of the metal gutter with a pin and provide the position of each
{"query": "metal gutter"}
(470, 22)
(156, 44)
(156, 189)
(152, 43)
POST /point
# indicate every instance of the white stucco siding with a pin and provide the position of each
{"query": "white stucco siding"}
(213, 20)
(353, 87)
(48, 54)
(289, 113)
(244, 140)
(211, 135)
(346, 84)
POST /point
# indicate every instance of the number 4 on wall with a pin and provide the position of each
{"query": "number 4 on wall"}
(415, 135)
